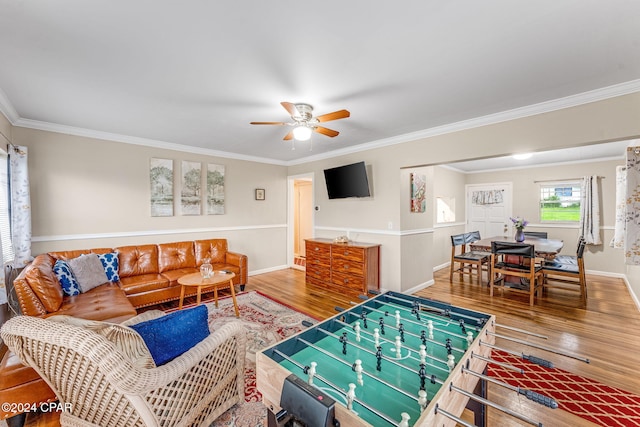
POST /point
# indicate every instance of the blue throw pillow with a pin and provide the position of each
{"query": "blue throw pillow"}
(67, 280)
(169, 336)
(110, 263)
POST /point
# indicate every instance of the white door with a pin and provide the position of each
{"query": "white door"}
(489, 208)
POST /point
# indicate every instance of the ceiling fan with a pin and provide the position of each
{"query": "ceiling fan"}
(304, 124)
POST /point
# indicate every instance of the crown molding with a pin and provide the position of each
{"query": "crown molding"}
(107, 136)
(600, 94)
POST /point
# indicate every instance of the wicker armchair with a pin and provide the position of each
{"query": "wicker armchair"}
(98, 383)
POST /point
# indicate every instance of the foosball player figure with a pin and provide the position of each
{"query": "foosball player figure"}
(462, 327)
(447, 344)
(363, 317)
(401, 331)
(381, 322)
(423, 337)
(422, 373)
(344, 340)
(422, 400)
(379, 358)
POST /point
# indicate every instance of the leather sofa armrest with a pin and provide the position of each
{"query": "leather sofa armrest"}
(240, 261)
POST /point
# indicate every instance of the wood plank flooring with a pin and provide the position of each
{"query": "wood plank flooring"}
(606, 330)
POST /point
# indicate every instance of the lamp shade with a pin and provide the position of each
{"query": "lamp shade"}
(302, 133)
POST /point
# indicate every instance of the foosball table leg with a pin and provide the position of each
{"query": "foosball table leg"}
(479, 410)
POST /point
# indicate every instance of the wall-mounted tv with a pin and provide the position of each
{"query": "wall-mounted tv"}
(347, 181)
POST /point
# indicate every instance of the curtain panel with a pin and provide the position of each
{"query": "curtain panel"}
(20, 205)
(590, 210)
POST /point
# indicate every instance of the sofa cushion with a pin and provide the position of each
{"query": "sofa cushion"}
(88, 271)
(44, 283)
(171, 335)
(173, 256)
(67, 255)
(67, 280)
(105, 302)
(173, 275)
(143, 283)
(111, 268)
(213, 249)
(137, 260)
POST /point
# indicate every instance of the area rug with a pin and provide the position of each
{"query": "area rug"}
(588, 399)
(267, 322)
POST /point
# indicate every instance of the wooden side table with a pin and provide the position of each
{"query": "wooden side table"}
(217, 280)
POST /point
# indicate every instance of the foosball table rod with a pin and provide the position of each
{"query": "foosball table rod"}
(388, 341)
(540, 347)
(534, 396)
(486, 402)
(433, 341)
(339, 390)
(452, 417)
(511, 328)
(495, 362)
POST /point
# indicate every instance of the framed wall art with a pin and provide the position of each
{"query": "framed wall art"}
(190, 196)
(215, 189)
(161, 179)
(260, 194)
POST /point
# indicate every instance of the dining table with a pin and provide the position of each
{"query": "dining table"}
(544, 248)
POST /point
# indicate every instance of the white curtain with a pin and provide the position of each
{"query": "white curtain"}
(590, 210)
(632, 211)
(20, 206)
(617, 241)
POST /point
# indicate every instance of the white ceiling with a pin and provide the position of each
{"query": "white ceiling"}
(193, 74)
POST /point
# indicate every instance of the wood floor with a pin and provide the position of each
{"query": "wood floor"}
(605, 330)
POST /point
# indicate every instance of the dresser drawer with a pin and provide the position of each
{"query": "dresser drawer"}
(349, 281)
(317, 272)
(347, 267)
(347, 253)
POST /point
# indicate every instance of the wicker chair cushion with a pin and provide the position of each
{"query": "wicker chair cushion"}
(167, 337)
(123, 337)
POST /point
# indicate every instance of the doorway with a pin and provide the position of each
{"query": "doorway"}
(300, 223)
(489, 207)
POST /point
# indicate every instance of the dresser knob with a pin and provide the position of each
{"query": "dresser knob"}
(346, 266)
(346, 280)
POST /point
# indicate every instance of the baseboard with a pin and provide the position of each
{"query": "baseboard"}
(268, 270)
(419, 287)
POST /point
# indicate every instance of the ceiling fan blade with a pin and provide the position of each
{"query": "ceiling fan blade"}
(342, 114)
(268, 123)
(291, 109)
(326, 131)
(288, 136)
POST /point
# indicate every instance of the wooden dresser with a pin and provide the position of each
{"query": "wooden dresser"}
(337, 266)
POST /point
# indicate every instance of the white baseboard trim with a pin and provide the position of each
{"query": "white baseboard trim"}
(268, 270)
(634, 297)
(419, 287)
(297, 267)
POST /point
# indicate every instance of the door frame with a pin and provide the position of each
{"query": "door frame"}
(508, 186)
(291, 212)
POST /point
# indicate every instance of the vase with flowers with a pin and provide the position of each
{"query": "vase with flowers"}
(519, 224)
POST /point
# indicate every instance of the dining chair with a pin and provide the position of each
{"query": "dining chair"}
(570, 259)
(568, 273)
(515, 260)
(539, 234)
(469, 262)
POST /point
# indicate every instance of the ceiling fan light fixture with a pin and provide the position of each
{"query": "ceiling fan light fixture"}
(302, 133)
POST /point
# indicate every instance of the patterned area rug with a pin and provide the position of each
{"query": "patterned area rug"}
(267, 322)
(588, 399)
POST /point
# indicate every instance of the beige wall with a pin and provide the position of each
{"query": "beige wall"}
(608, 120)
(90, 193)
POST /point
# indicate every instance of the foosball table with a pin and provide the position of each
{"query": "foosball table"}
(391, 360)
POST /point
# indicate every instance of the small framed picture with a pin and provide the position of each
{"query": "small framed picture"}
(259, 193)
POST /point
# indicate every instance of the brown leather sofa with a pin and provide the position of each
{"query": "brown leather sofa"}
(148, 276)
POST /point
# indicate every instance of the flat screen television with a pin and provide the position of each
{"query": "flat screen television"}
(347, 181)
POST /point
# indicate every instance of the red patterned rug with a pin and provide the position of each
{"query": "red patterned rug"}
(588, 399)
(267, 322)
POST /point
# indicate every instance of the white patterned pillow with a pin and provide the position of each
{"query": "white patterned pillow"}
(68, 282)
(88, 271)
(110, 263)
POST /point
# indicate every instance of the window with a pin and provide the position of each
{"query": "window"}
(560, 202)
(445, 209)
